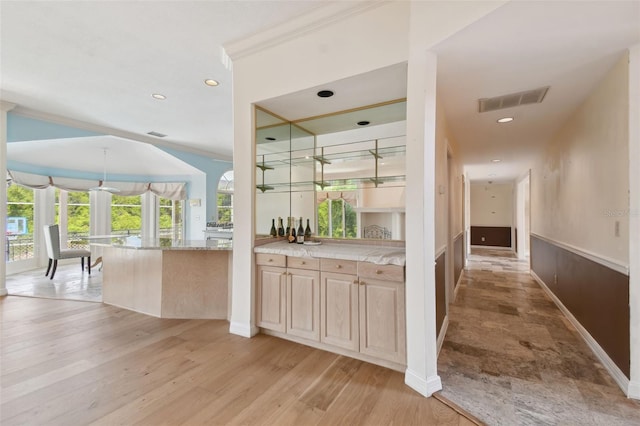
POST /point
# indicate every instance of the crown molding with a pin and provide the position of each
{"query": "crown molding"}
(314, 20)
(6, 106)
(39, 115)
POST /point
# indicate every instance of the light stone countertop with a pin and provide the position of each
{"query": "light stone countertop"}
(380, 255)
(136, 243)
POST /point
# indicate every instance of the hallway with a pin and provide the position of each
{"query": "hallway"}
(510, 356)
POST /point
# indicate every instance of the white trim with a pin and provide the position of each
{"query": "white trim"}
(602, 260)
(443, 332)
(423, 387)
(602, 356)
(458, 235)
(440, 251)
(3, 292)
(314, 20)
(242, 329)
(634, 390)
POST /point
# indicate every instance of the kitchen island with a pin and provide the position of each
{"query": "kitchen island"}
(167, 278)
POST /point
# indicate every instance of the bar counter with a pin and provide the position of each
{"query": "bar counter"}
(167, 278)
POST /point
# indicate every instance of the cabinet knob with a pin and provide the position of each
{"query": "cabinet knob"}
(303, 263)
(362, 283)
(338, 266)
(270, 260)
(378, 271)
(356, 281)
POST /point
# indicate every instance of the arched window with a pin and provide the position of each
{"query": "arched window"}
(225, 198)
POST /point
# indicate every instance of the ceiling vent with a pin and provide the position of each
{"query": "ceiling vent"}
(512, 100)
(156, 134)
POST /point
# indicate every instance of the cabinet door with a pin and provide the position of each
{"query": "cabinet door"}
(271, 298)
(303, 303)
(339, 310)
(382, 319)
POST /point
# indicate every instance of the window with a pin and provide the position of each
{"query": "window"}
(171, 218)
(126, 214)
(72, 214)
(19, 232)
(225, 198)
(337, 219)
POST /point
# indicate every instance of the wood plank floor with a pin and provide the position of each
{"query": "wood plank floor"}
(77, 363)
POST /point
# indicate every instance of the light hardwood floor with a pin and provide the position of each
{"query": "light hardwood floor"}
(75, 363)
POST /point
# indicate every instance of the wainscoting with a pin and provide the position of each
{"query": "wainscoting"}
(458, 257)
(441, 298)
(495, 236)
(595, 294)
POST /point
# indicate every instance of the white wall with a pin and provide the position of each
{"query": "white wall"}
(491, 204)
(580, 187)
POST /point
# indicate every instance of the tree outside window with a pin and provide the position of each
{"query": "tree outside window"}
(126, 214)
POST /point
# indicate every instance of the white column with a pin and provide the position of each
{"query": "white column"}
(243, 291)
(421, 373)
(5, 107)
(634, 220)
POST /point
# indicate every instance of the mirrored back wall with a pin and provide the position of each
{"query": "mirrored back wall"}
(347, 179)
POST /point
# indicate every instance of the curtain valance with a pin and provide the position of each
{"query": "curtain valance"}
(172, 190)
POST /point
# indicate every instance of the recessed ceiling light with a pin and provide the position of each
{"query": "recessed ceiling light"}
(363, 123)
(496, 160)
(159, 96)
(325, 93)
(269, 138)
(505, 119)
(211, 82)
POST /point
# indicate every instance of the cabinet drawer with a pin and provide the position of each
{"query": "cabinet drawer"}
(271, 259)
(303, 263)
(339, 266)
(380, 272)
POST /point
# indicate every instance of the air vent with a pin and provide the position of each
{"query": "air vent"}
(512, 100)
(156, 134)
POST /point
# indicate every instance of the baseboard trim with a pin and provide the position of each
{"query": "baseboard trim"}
(424, 387)
(634, 390)
(602, 356)
(242, 329)
(443, 332)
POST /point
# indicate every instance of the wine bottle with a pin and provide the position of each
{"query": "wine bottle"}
(273, 231)
(280, 227)
(292, 232)
(288, 231)
(300, 237)
(307, 232)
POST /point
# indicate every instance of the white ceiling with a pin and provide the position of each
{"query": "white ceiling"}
(99, 62)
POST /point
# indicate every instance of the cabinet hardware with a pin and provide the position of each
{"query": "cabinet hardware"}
(338, 266)
(270, 260)
(303, 263)
(361, 282)
(356, 282)
(378, 271)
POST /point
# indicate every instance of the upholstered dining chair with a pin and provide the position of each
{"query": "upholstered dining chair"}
(52, 240)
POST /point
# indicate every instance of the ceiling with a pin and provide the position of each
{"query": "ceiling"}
(100, 62)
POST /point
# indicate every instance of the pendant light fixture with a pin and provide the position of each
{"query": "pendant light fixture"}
(103, 183)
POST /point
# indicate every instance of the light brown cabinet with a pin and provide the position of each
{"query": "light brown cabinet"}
(354, 306)
(271, 292)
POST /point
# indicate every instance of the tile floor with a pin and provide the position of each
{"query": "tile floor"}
(69, 282)
(510, 357)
